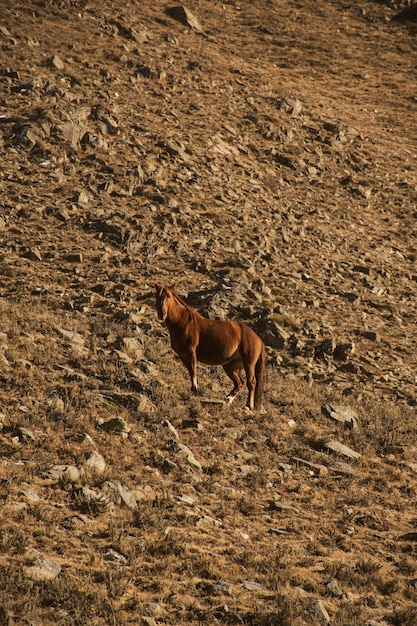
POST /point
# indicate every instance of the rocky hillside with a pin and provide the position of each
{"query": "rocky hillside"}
(261, 157)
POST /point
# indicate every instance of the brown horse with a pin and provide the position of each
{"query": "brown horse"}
(233, 345)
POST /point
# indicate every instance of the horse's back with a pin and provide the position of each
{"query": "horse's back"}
(218, 341)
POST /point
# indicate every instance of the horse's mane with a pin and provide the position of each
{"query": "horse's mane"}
(192, 312)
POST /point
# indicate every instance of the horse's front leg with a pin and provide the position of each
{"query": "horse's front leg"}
(190, 362)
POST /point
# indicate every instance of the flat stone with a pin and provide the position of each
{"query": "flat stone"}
(316, 468)
(340, 448)
(43, 567)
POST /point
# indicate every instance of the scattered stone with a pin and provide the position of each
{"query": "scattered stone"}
(133, 348)
(71, 133)
(67, 473)
(333, 587)
(172, 429)
(115, 425)
(247, 469)
(206, 521)
(185, 451)
(341, 414)
(184, 15)
(83, 198)
(340, 448)
(206, 400)
(95, 462)
(342, 468)
(314, 468)
(29, 492)
(33, 254)
(316, 612)
(275, 336)
(276, 505)
(72, 337)
(56, 62)
(86, 440)
(371, 335)
(92, 502)
(250, 585)
(43, 568)
(114, 557)
(25, 435)
(191, 424)
(119, 493)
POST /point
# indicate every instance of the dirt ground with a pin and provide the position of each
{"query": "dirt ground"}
(260, 156)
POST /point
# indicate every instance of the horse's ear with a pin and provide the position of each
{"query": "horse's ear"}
(172, 287)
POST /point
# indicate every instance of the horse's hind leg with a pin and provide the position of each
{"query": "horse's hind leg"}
(251, 384)
(235, 376)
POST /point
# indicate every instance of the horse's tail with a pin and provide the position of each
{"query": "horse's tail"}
(260, 377)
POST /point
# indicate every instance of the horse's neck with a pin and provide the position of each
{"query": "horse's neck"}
(178, 313)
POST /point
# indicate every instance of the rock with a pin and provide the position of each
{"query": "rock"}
(333, 587)
(172, 429)
(341, 414)
(276, 505)
(83, 198)
(25, 435)
(247, 469)
(119, 493)
(95, 462)
(71, 336)
(29, 492)
(342, 468)
(316, 612)
(145, 406)
(191, 424)
(410, 465)
(206, 400)
(68, 473)
(92, 502)
(206, 522)
(343, 351)
(184, 15)
(315, 468)
(114, 556)
(275, 336)
(71, 133)
(325, 348)
(116, 425)
(43, 568)
(371, 335)
(340, 448)
(250, 585)
(33, 254)
(132, 347)
(56, 62)
(185, 451)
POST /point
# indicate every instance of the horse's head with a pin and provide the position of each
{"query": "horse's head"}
(163, 298)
